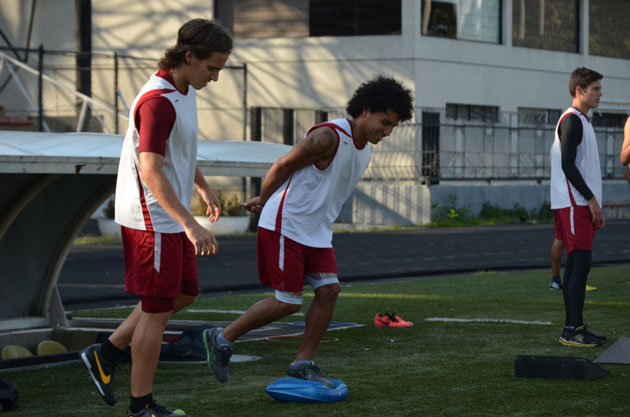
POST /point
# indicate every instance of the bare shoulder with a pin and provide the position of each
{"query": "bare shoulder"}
(320, 141)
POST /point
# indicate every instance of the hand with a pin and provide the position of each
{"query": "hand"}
(202, 239)
(255, 205)
(214, 205)
(597, 213)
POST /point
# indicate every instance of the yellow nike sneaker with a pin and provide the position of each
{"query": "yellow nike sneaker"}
(590, 288)
(101, 371)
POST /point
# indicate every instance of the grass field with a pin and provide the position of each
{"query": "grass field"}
(432, 369)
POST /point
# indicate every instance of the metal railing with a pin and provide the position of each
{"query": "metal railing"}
(45, 89)
(441, 148)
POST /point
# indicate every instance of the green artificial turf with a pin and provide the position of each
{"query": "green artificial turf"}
(433, 369)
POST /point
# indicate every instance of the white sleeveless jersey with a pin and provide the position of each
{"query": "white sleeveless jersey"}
(136, 206)
(306, 205)
(563, 193)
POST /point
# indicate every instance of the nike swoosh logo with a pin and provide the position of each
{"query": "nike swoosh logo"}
(104, 378)
(385, 322)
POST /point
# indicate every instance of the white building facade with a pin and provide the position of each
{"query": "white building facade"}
(496, 64)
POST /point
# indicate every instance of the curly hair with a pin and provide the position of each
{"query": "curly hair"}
(379, 95)
(202, 37)
(582, 77)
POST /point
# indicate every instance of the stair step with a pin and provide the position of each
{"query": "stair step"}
(16, 123)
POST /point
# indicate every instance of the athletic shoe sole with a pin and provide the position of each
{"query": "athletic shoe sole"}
(577, 344)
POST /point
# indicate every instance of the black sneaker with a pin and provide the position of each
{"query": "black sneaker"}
(101, 371)
(579, 338)
(154, 409)
(555, 284)
(593, 335)
(309, 372)
(218, 357)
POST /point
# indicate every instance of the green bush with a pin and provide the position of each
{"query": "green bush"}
(451, 215)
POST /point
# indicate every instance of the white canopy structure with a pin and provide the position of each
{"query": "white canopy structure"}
(50, 184)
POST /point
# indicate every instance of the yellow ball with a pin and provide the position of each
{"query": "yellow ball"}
(179, 412)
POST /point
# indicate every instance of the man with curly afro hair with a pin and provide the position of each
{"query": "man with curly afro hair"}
(300, 199)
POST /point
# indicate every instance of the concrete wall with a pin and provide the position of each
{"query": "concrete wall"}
(408, 203)
(53, 24)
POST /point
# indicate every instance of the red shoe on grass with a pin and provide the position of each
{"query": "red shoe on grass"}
(390, 320)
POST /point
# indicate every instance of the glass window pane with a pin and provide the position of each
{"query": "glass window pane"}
(609, 28)
(609, 119)
(476, 20)
(354, 18)
(545, 24)
(537, 117)
(301, 18)
(472, 112)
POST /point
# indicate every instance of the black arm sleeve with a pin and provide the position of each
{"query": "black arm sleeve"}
(570, 137)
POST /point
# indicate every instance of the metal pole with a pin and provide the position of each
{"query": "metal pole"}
(40, 89)
(115, 92)
(244, 181)
(287, 126)
(256, 135)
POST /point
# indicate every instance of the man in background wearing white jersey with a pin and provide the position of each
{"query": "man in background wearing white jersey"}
(300, 199)
(157, 171)
(576, 198)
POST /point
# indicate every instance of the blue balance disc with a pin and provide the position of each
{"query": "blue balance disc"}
(302, 391)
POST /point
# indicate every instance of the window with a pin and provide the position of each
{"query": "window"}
(302, 18)
(546, 24)
(538, 117)
(472, 20)
(609, 31)
(609, 119)
(354, 17)
(264, 19)
(472, 112)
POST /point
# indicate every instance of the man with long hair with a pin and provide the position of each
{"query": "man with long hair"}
(156, 175)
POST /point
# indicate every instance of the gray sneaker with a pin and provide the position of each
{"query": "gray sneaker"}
(218, 357)
(309, 372)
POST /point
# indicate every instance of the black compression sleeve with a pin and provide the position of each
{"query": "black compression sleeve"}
(570, 137)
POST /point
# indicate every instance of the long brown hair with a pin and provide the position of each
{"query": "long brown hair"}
(202, 37)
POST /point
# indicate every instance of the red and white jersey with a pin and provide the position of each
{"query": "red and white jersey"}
(563, 193)
(136, 206)
(306, 205)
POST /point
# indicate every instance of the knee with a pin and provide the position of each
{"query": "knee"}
(292, 308)
(187, 300)
(287, 308)
(328, 293)
(183, 301)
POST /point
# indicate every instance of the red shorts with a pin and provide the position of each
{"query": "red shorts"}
(159, 267)
(283, 263)
(556, 221)
(574, 225)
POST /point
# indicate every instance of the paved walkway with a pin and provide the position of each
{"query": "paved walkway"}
(96, 272)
